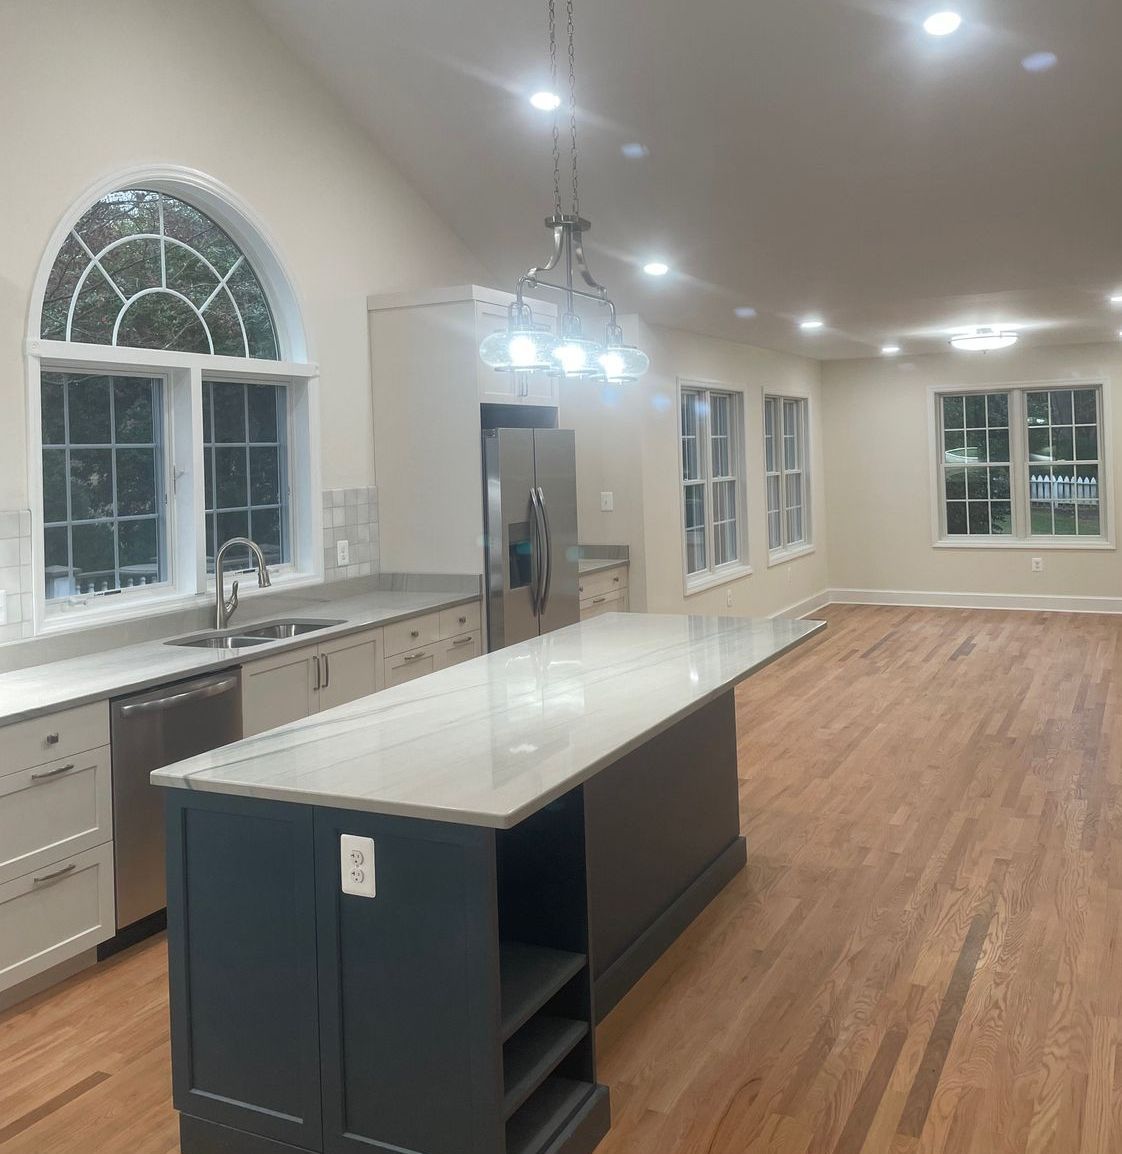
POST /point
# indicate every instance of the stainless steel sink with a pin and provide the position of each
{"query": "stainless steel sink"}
(273, 630)
(219, 641)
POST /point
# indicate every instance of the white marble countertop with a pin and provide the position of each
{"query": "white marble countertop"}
(39, 689)
(493, 740)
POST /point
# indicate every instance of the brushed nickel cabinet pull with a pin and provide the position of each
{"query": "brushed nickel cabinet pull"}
(414, 633)
(463, 620)
(326, 671)
(598, 600)
(414, 656)
(52, 739)
(53, 877)
(52, 772)
(463, 641)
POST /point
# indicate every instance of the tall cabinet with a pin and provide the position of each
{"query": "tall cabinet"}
(428, 385)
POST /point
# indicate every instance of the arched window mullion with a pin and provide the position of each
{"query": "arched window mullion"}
(167, 292)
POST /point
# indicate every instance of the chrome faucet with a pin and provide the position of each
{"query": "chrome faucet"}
(223, 609)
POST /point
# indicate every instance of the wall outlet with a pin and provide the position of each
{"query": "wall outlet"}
(607, 502)
(728, 598)
(343, 552)
(1038, 564)
(356, 865)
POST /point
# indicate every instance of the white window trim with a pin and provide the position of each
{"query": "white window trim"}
(787, 553)
(741, 567)
(189, 584)
(1018, 457)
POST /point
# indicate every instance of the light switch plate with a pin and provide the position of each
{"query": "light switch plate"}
(343, 552)
(607, 502)
(356, 865)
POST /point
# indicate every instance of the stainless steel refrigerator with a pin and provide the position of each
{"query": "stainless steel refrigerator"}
(530, 510)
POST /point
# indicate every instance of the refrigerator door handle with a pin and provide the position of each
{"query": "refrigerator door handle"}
(548, 538)
(538, 555)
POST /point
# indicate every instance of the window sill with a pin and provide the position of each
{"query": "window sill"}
(1072, 544)
(720, 577)
(782, 556)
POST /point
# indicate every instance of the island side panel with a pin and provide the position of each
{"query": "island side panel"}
(663, 838)
(242, 973)
(409, 989)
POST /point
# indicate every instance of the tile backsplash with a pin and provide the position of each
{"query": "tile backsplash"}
(350, 515)
(15, 574)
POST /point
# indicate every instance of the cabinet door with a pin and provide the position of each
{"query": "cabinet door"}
(608, 603)
(456, 649)
(495, 388)
(279, 689)
(409, 666)
(409, 990)
(349, 668)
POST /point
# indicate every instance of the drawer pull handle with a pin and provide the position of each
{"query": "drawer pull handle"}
(414, 633)
(52, 739)
(598, 600)
(52, 772)
(463, 620)
(463, 641)
(414, 656)
(55, 876)
(616, 580)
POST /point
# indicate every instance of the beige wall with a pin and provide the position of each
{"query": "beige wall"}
(875, 414)
(627, 443)
(90, 89)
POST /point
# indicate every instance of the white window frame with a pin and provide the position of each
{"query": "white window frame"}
(785, 552)
(712, 576)
(1020, 538)
(188, 582)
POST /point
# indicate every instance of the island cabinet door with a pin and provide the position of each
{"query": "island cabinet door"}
(409, 990)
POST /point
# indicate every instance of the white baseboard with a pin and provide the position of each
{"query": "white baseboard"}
(807, 605)
(1036, 603)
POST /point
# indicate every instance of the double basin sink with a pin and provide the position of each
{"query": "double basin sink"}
(255, 634)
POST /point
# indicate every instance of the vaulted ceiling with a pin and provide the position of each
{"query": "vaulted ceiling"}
(821, 157)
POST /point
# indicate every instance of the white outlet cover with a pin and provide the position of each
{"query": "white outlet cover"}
(356, 865)
(1038, 564)
(343, 552)
(607, 502)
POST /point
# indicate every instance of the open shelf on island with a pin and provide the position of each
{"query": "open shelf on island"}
(530, 976)
(533, 1054)
(545, 1114)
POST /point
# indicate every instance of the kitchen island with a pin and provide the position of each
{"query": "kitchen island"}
(524, 834)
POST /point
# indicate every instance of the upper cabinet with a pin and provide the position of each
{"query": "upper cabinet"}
(513, 388)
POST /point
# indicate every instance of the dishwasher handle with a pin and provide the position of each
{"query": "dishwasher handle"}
(199, 693)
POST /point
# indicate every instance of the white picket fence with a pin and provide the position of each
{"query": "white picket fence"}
(1064, 489)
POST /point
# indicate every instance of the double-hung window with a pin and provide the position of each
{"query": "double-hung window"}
(159, 351)
(712, 481)
(788, 494)
(1021, 464)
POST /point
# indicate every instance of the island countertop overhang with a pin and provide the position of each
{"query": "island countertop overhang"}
(494, 740)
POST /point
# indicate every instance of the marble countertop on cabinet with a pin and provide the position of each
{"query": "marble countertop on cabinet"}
(493, 740)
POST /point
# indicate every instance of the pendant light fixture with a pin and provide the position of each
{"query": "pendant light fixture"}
(521, 346)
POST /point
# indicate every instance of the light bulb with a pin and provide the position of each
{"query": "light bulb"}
(523, 351)
(942, 24)
(611, 361)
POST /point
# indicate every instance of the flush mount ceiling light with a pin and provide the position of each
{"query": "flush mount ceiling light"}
(546, 101)
(656, 268)
(942, 23)
(984, 340)
(811, 324)
(520, 346)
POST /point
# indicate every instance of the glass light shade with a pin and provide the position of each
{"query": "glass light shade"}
(984, 340)
(578, 356)
(623, 364)
(518, 349)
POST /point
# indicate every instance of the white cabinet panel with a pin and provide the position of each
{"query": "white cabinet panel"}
(405, 636)
(55, 913)
(276, 690)
(349, 668)
(460, 619)
(606, 603)
(456, 649)
(54, 811)
(409, 666)
(43, 739)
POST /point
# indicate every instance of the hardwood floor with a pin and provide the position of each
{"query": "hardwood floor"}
(924, 955)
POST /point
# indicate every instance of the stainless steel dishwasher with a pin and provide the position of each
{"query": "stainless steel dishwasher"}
(151, 730)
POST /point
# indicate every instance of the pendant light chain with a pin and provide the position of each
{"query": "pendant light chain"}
(573, 105)
(556, 127)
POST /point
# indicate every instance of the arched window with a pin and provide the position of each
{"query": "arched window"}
(146, 270)
(168, 420)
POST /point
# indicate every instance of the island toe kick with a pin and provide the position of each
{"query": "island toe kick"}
(453, 1012)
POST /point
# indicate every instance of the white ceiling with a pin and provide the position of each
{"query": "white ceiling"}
(806, 156)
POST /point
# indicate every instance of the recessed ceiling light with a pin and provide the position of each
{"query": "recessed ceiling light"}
(942, 23)
(634, 150)
(1116, 299)
(1040, 62)
(890, 350)
(810, 324)
(546, 101)
(656, 268)
(745, 312)
(984, 340)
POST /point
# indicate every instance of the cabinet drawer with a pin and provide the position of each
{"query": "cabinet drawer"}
(55, 736)
(408, 666)
(412, 634)
(606, 603)
(454, 650)
(460, 619)
(54, 811)
(55, 913)
(605, 581)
